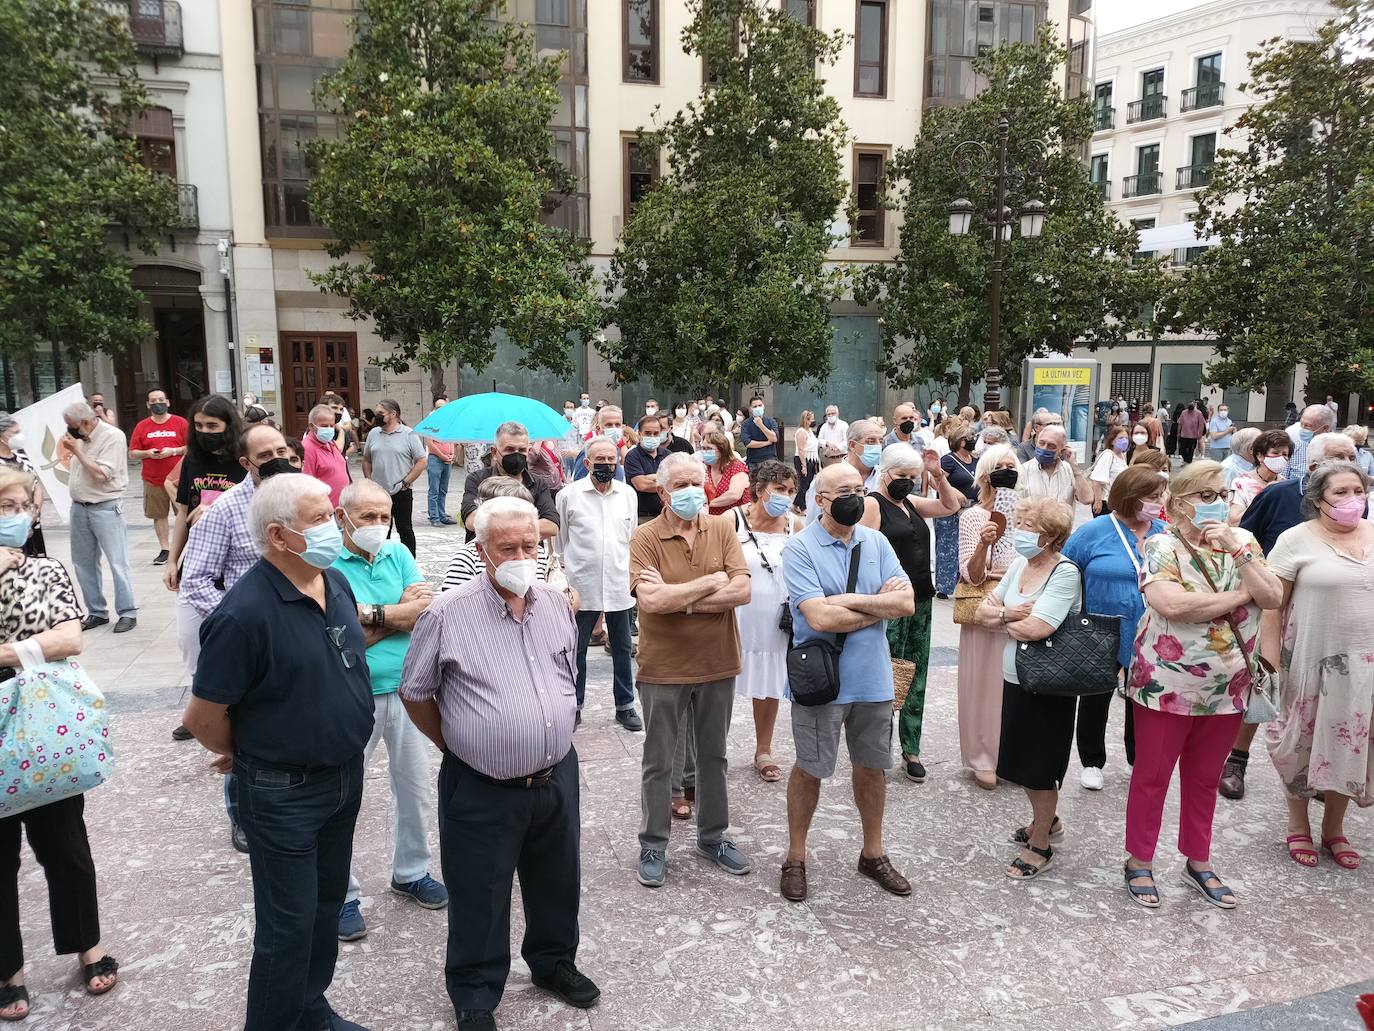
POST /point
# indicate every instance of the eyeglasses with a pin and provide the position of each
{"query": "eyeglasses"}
(336, 637)
(14, 508)
(836, 495)
(1208, 496)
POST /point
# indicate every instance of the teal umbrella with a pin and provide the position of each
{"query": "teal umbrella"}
(474, 419)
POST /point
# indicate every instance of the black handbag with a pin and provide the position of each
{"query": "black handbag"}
(1077, 659)
(813, 668)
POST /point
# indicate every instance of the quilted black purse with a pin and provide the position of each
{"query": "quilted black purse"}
(1077, 659)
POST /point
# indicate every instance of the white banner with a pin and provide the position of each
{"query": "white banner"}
(44, 430)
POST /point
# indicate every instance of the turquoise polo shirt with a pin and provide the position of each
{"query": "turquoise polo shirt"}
(816, 565)
(380, 582)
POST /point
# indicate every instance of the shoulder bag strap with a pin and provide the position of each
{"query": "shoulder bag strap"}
(739, 514)
(1130, 552)
(1235, 630)
(849, 587)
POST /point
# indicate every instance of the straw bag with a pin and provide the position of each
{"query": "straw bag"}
(903, 673)
(967, 598)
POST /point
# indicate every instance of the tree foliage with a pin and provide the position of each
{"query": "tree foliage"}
(1293, 206)
(1076, 284)
(721, 271)
(434, 193)
(69, 170)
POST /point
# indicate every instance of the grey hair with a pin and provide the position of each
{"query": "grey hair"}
(998, 435)
(80, 411)
(1359, 434)
(1327, 415)
(609, 408)
(7, 422)
(501, 509)
(673, 462)
(1318, 445)
(360, 490)
(316, 411)
(503, 487)
(1315, 488)
(900, 456)
(278, 500)
(511, 429)
(1243, 443)
(1052, 427)
(861, 428)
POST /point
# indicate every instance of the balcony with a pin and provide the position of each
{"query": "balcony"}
(1185, 256)
(1209, 94)
(1103, 188)
(154, 24)
(1146, 184)
(1194, 177)
(1104, 118)
(188, 207)
(1147, 109)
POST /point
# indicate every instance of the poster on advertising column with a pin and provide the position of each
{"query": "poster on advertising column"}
(1068, 387)
(44, 432)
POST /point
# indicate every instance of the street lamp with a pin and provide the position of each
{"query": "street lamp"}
(973, 156)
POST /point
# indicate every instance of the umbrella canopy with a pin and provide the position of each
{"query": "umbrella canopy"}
(473, 419)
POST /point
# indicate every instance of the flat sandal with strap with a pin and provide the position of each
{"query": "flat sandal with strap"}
(1025, 871)
(1197, 879)
(1140, 894)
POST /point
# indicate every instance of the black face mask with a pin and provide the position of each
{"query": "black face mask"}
(273, 466)
(901, 488)
(75, 433)
(514, 464)
(211, 441)
(906, 426)
(603, 472)
(338, 418)
(847, 510)
(1003, 478)
(159, 409)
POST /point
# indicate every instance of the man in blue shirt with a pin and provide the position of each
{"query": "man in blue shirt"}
(391, 593)
(1219, 432)
(759, 434)
(815, 565)
(282, 694)
(656, 442)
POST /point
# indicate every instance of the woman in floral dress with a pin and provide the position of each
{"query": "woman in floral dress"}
(1204, 584)
(1321, 740)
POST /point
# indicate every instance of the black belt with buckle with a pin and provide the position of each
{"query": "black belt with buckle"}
(534, 780)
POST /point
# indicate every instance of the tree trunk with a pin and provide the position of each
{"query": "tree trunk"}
(436, 381)
(965, 385)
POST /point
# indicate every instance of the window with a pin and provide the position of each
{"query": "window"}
(870, 220)
(641, 41)
(803, 10)
(870, 48)
(1147, 160)
(1103, 113)
(157, 146)
(1097, 168)
(962, 30)
(1152, 83)
(1203, 150)
(641, 172)
(1208, 70)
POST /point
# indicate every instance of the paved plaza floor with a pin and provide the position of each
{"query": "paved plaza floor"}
(968, 951)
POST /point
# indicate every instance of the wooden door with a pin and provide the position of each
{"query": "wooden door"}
(313, 365)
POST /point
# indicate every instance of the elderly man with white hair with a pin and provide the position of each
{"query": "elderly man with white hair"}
(1315, 419)
(490, 679)
(610, 424)
(1051, 471)
(391, 593)
(282, 696)
(864, 441)
(1241, 460)
(689, 573)
(510, 456)
(97, 479)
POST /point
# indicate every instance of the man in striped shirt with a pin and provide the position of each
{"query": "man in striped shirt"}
(490, 679)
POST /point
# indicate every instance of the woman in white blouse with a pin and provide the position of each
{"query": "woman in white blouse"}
(1111, 463)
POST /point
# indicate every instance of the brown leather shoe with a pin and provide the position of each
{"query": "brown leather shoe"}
(794, 880)
(1232, 784)
(882, 871)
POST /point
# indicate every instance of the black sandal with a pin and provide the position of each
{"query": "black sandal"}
(105, 966)
(1141, 894)
(1024, 870)
(1021, 836)
(9, 995)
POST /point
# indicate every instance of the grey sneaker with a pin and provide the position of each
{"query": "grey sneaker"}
(724, 854)
(653, 867)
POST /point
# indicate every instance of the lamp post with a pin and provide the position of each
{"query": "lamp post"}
(975, 155)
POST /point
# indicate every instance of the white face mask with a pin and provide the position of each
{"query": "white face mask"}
(16, 441)
(980, 447)
(517, 575)
(1222, 413)
(651, 409)
(369, 538)
(681, 413)
(1139, 438)
(831, 419)
(1276, 463)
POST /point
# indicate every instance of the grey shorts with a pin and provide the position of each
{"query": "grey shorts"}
(867, 728)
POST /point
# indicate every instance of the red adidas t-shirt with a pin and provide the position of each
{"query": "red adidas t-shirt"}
(149, 435)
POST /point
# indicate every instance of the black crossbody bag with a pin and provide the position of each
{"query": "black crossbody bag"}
(813, 668)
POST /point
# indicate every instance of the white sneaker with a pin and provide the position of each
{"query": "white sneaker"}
(1091, 778)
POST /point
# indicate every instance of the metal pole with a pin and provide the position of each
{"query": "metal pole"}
(229, 334)
(992, 395)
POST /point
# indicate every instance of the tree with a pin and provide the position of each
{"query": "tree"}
(721, 270)
(435, 191)
(69, 170)
(1076, 284)
(1293, 208)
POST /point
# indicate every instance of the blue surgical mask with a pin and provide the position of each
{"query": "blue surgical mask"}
(1045, 456)
(757, 411)
(777, 504)
(650, 443)
(1026, 543)
(322, 544)
(324, 434)
(1305, 435)
(1210, 512)
(613, 432)
(15, 530)
(873, 454)
(709, 457)
(686, 502)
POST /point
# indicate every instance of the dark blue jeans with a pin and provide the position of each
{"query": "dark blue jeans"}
(618, 633)
(300, 837)
(436, 475)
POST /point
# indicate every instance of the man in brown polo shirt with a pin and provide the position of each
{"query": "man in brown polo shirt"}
(688, 573)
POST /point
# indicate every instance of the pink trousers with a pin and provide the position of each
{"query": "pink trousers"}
(1198, 746)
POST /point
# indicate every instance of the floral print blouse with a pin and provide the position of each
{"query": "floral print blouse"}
(1193, 669)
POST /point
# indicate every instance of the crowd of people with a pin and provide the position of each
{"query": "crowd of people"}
(711, 570)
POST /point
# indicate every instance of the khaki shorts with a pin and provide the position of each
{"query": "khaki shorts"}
(157, 504)
(867, 728)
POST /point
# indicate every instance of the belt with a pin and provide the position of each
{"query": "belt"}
(534, 780)
(102, 501)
